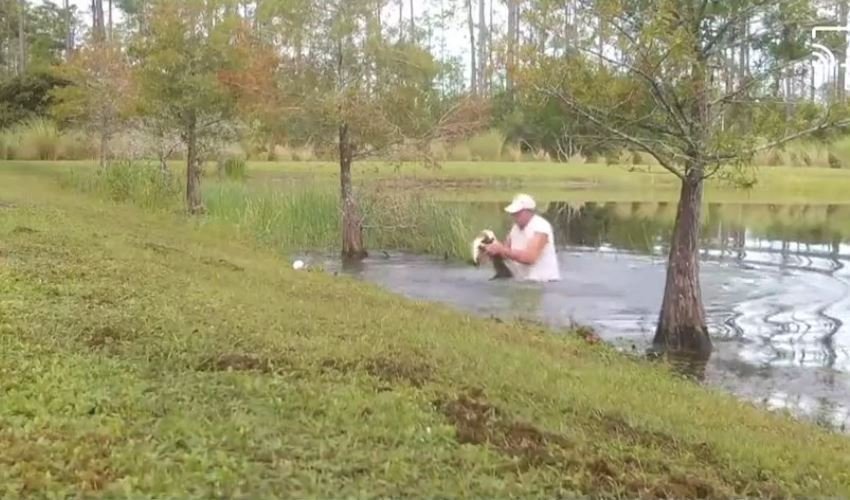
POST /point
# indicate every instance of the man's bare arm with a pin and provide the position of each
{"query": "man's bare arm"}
(532, 252)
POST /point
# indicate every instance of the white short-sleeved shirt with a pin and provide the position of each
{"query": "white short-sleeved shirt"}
(546, 268)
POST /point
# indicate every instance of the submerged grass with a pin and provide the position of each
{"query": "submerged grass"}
(146, 356)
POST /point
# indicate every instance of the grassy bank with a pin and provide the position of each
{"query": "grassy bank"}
(143, 355)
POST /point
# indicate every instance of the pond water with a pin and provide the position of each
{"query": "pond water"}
(775, 282)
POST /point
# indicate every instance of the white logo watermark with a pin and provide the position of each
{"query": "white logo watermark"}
(827, 62)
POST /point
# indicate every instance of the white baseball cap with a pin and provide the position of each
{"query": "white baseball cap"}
(521, 202)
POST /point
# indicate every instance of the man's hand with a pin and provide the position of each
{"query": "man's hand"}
(496, 249)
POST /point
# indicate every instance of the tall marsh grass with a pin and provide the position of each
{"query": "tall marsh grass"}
(417, 223)
(141, 184)
(300, 217)
(291, 219)
(308, 217)
(41, 139)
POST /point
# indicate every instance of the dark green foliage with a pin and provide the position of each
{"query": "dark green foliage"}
(27, 97)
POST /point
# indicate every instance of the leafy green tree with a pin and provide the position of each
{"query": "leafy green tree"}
(186, 48)
(100, 94)
(661, 97)
(28, 96)
(362, 95)
(47, 31)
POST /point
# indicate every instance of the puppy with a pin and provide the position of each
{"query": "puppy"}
(479, 255)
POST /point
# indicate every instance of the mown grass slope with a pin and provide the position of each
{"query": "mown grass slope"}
(143, 355)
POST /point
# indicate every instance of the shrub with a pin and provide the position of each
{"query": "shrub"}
(141, 184)
(487, 146)
(305, 152)
(438, 151)
(775, 159)
(834, 161)
(512, 152)
(9, 142)
(281, 153)
(460, 152)
(232, 167)
(576, 159)
(75, 145)
(793, 159)
(39, 140)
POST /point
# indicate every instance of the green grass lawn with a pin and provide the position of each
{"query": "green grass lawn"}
(146, 355)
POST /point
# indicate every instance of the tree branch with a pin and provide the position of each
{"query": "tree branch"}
(663, 160)
(824, 125)
(673, 109)
(731, 21)
(764, 75)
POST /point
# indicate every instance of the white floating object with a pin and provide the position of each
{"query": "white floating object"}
(298, 264)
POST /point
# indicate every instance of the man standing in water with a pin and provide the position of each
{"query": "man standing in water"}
(529, 249)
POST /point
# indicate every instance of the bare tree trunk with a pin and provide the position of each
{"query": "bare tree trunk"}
(729, 70)
(812, 84)
(682, 330)
(482, 46)
(473, 78)
(511, 60)
(401, 18)
(681, 327)
(104, 140)
(841, 54)
(744, 55)
(194, 202)
(789, 98)
(69, 29)
(517, 24)
(22, 46)
(490, 49)
(352, 224)
(97, 20)
(110, 20)
(412, 23)
(600, 40)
